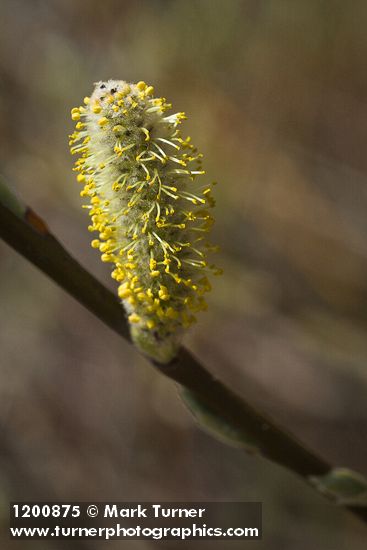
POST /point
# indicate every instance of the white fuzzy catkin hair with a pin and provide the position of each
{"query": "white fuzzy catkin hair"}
(147, 205)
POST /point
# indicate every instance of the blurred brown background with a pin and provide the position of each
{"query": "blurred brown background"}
(276, 97)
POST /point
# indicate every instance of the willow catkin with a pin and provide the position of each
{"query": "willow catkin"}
(149, 207)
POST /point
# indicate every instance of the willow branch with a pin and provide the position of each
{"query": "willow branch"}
(29, 235)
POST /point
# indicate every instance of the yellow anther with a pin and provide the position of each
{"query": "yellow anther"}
(103, 121)
(95, 243)
(86, 100)
(104, 247)
(163, 293)
(141, 85)
(150, 324)
(107, 258)
(124, 292)
(118, 274)
(134, 318)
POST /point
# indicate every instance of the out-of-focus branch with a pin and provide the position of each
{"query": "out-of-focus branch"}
(27, 233)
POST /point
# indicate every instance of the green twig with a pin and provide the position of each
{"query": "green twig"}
(27, 233)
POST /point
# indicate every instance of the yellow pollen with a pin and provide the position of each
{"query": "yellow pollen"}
(134, 318)
(124, 292)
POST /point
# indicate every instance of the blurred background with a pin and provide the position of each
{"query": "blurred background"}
(276, 94)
